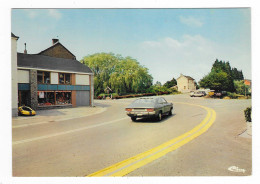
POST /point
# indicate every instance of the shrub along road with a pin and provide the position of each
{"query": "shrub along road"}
(85, 145)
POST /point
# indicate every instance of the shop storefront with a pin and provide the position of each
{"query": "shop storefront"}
(54, 98)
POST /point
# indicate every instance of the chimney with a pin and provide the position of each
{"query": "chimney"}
(25, 51)
(54, 40)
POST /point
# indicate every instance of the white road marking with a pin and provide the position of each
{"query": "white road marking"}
(236, 169)
(67, 132)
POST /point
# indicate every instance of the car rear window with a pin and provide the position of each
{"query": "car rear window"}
(145, 100)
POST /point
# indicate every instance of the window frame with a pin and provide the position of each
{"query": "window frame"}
(43, 77)
(64, 83)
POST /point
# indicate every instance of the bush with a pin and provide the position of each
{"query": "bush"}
(232, 95)
(114, 95)
(247, 112)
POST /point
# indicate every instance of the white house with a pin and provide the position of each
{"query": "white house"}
(185, 84)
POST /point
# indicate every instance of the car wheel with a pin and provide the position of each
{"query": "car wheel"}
(170, 112)
(133, 118)
(159, 117)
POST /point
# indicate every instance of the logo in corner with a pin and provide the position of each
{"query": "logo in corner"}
(236, 169)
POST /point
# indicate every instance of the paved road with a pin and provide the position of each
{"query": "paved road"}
(84, 145)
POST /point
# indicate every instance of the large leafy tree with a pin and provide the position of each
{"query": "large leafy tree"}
(221, 77)
(122, 75)
(217, 81)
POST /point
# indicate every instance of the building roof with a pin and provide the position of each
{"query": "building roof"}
(12, 35)
(188, 77)
(51, 63)
(55, 44)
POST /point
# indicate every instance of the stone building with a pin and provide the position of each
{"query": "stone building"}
(53, 78)
(186, 84)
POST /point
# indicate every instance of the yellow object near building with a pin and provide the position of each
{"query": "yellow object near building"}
(211, 93)
(27, 111)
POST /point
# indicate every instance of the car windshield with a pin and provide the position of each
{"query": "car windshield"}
(145, 100)
(26, 108)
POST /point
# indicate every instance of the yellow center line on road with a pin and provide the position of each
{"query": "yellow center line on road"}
(126, 166)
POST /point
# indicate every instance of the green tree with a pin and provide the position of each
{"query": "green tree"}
(170, 83)
(241, 88)
(221, 77)
(237, 75)
(122, 75)
(159, 84)
(219, 81)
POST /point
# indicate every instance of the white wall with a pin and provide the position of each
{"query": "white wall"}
(54, 78)
(82, 79)
(181, 82)
(14, 76)
(23, 76)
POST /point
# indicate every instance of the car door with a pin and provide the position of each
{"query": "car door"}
(167, 105)
(160, 105)
(163, 102)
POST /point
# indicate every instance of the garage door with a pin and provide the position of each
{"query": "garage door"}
(82, 98)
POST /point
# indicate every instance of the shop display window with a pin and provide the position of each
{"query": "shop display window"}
(54, 98)
(46, 98)
(63, 98)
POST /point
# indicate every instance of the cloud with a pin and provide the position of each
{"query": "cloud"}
(191, 21)
(31, 13)
(34, 13)
(54, 13)
(191, 55)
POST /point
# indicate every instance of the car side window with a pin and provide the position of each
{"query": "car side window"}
(163, 100)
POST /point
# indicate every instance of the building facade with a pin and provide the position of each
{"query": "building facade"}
(186, 84)
(53, 78)
(14, 74)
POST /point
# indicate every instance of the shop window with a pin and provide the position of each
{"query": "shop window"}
(54, 98)
(64, 78)
(46, 98)
(63, 98)
(43, 77)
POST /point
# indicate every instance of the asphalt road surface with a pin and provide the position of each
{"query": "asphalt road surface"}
(111, 141)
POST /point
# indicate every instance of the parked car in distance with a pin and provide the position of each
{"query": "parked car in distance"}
(197, 93)
(26, 111)
(154, 107)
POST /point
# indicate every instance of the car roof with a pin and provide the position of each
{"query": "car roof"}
(149, 98)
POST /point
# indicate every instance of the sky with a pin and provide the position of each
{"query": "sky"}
(169, 42)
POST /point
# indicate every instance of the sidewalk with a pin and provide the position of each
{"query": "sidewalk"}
(54, 115)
